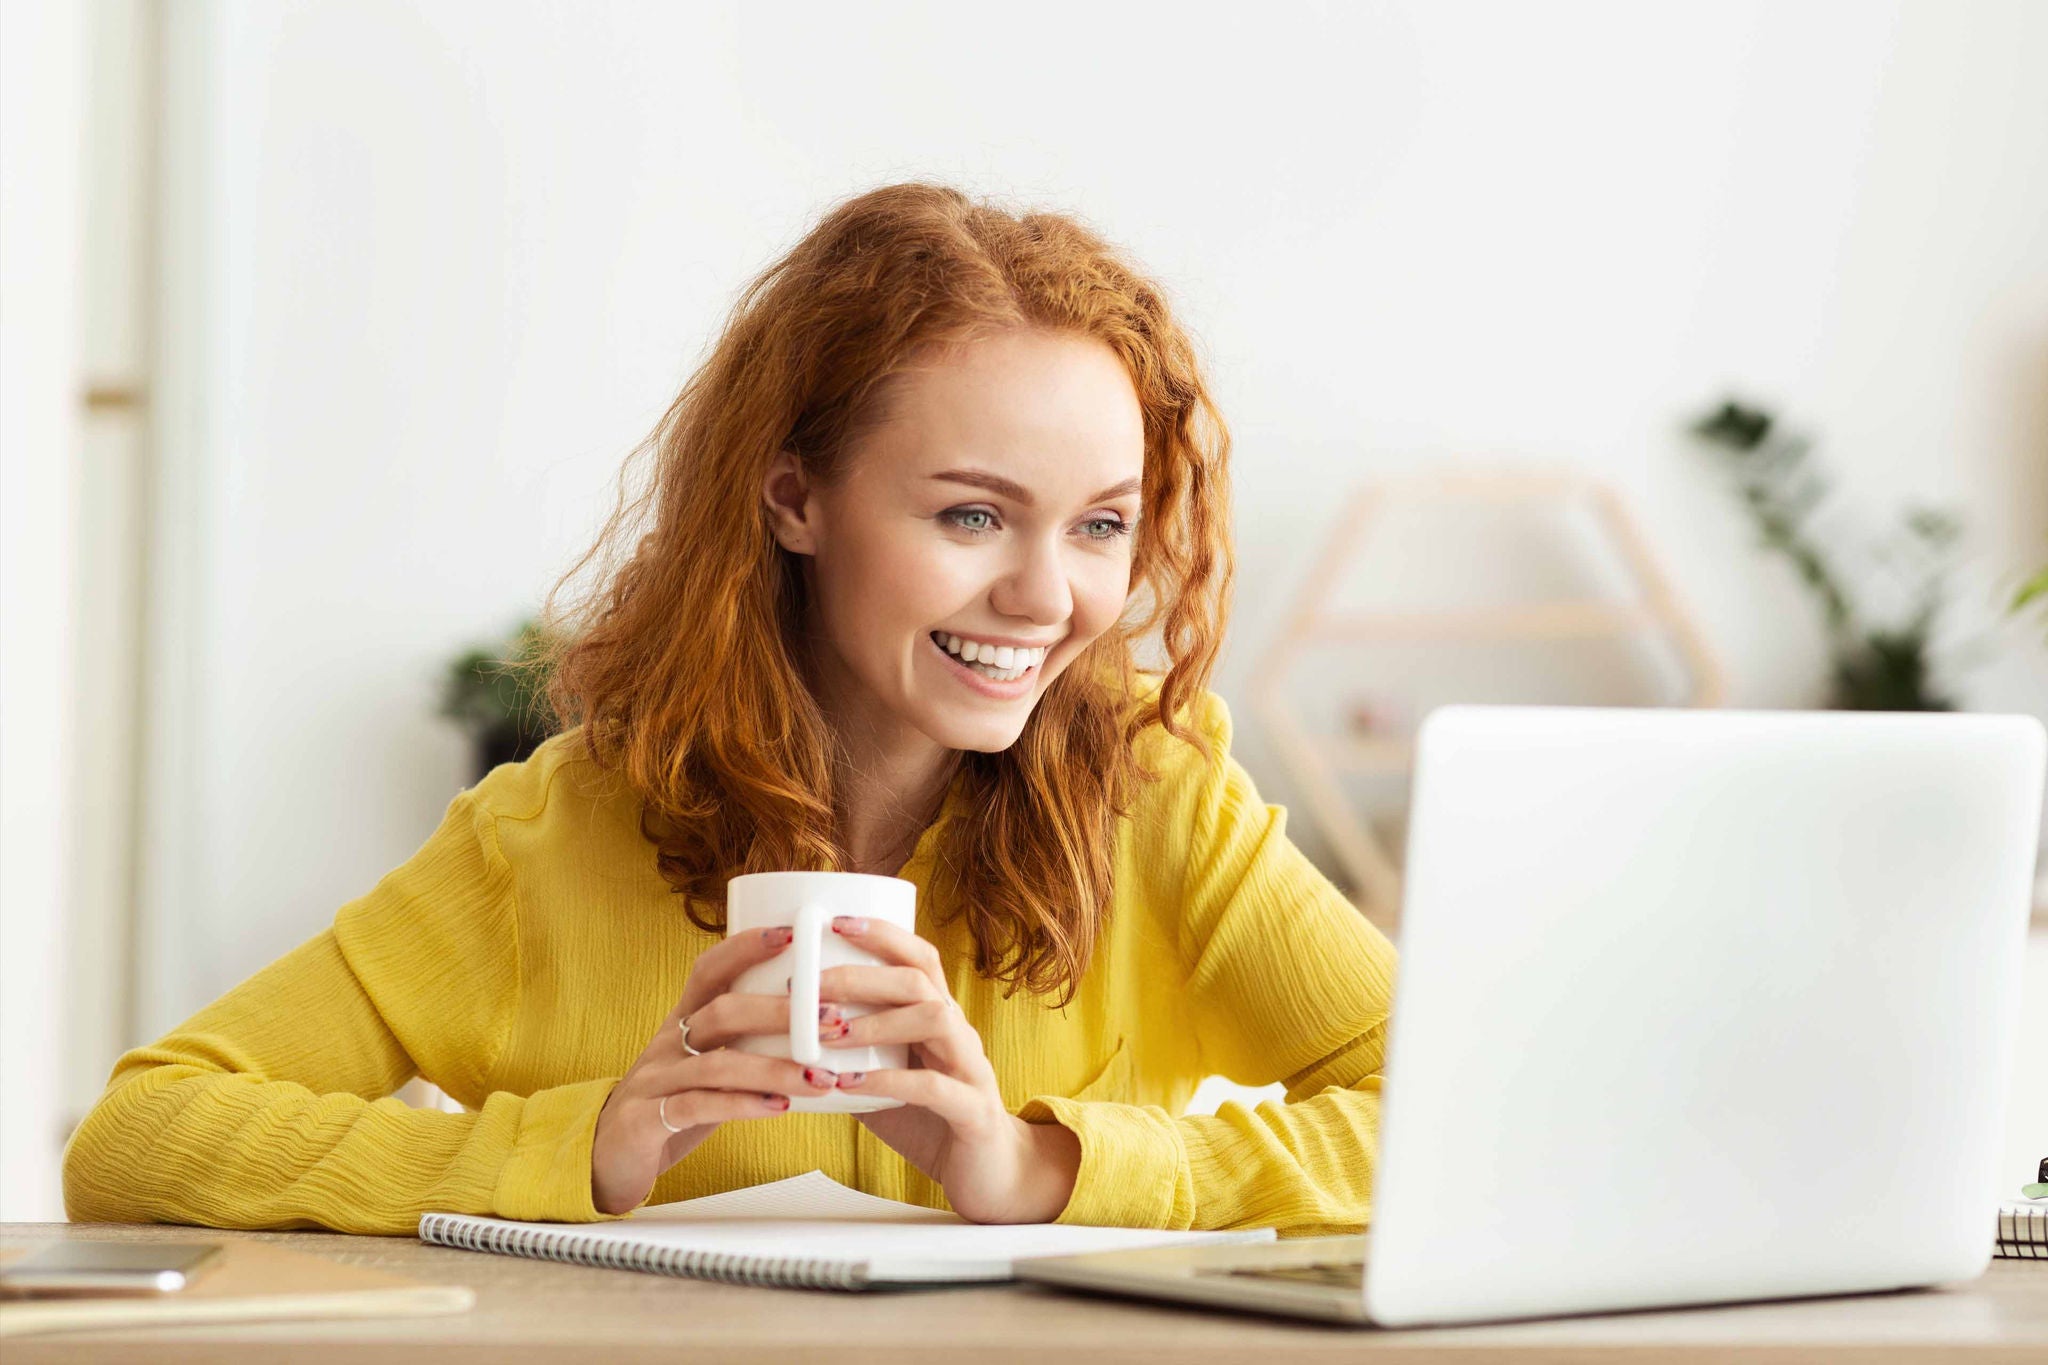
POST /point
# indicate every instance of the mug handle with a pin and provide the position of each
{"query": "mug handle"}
(811, 924)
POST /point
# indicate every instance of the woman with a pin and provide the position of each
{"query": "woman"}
(946, 468)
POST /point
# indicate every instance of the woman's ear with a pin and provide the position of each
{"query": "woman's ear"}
(792, 515)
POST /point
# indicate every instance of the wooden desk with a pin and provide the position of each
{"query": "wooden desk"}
(537, 1310)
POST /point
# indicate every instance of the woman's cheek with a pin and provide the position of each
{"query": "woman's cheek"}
(1100, 600)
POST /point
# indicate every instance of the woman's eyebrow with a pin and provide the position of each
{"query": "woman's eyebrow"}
(1009, 488)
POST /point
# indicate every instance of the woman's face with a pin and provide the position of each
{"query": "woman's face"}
(989, 517)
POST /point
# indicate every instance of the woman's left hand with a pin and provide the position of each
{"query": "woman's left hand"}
(993, 1166)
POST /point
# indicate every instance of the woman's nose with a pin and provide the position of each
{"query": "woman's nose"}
(1036, 588)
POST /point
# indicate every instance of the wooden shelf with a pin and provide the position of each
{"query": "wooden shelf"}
(1314, 761)
(1570, 620)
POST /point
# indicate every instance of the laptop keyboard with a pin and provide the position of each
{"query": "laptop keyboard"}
(1341, 1274)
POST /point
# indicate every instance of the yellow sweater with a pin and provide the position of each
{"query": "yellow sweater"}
(526, 954)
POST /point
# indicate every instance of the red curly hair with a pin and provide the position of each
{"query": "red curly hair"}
(682, 668)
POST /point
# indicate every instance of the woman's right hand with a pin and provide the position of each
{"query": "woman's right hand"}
(632, 1147)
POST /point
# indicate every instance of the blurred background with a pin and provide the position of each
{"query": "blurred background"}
(1686, 354)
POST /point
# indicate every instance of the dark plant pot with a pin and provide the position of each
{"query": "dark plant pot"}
(1886, 672)
(504, 744)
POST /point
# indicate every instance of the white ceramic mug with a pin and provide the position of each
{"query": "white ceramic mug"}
(807, 902)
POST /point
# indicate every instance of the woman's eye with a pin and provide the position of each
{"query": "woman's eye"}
(974, 519)
(1105, 528)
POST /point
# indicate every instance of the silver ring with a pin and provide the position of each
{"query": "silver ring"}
(662, 1110)
(684, 1024)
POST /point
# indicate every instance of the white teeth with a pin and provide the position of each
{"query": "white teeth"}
(1004, 663)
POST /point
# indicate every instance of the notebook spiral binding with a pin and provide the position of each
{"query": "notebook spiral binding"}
(2023, 1233)
(788, 1271)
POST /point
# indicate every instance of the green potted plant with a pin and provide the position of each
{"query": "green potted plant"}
(1876, 665)
(2034, 591)
(499, 695)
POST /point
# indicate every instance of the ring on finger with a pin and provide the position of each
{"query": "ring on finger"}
(684, 1024)
(662, 1111)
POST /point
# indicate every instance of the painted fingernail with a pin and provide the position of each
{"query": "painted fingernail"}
(776, 1101)
(820, 1077)
(835, 1030)
(828, 1012)
(852, 1078)
(778, 934)
(849, 924)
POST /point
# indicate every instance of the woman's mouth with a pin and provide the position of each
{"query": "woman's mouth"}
(992, 670)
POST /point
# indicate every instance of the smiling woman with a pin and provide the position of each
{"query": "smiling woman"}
(878, 611)
(918, 604)
(930, 417)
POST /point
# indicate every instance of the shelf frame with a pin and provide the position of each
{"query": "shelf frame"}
(1314, 762)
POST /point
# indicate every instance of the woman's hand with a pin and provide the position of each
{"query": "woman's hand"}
(994, 1167)
(632, 1146)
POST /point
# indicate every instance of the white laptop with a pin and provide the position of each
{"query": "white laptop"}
(1693, 1007)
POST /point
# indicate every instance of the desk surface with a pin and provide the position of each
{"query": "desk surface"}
(538, 1310)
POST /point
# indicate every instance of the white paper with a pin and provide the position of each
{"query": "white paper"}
(810, 1197)
(814, 1217)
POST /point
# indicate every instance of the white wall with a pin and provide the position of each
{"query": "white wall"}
(41, 114)
(463, 254)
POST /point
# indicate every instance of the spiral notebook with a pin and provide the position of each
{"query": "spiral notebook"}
(2023, 1229)
(808, 1231)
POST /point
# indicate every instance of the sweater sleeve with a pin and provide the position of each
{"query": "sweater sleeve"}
(271, 1107)
(1284, 980)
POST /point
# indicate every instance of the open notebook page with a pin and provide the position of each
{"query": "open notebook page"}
(810, 1197)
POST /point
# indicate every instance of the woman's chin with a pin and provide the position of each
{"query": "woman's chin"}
(974, 729)
(981, 737)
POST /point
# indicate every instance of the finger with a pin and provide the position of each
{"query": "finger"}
(892, 943)
(927, 1021)
(693, 1108)
(718, 966)
(879, 985)
(735, 1015)
(952, 1100)
(933, 1028)
(727, 1069)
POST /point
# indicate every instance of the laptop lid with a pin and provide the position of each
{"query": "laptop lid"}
(1700, 1005)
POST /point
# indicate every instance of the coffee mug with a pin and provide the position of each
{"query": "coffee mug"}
(807, 902)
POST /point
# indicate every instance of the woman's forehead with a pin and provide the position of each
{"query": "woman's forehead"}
(1042, 411)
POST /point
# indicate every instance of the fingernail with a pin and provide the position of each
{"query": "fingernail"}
(852, 1078)
(835, 1030)
(828, 1013)
(849, 924)
(818, 1076)
(776, 1101)
(778, 934)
